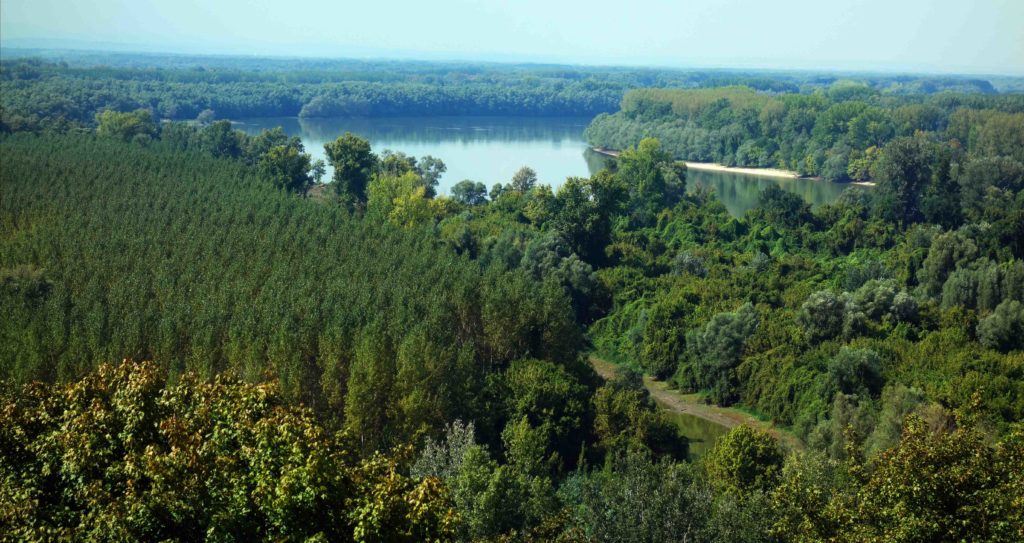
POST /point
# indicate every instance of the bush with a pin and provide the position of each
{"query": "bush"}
(744, 460)
(1003, 330)
(120, 455)
(822, 315)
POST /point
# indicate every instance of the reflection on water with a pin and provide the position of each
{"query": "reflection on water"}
(739, 192)
(491, 149)
(487, 149)
(701, 433)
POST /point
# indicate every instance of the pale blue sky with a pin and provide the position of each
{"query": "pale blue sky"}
(964, 36)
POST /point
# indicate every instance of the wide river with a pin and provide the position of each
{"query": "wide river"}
(491, 149)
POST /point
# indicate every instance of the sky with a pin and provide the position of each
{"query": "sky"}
(936, 36)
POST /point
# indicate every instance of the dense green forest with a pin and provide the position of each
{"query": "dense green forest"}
(366, 360)
(835, 132)
(62, 90)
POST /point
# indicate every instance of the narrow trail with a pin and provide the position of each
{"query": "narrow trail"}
(691, 404)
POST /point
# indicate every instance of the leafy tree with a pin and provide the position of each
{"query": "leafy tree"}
(941, 487)
(948, 251)
(961, 288)
(856, 371)
(933, 486)
(688, 263)
(941, 200)
(715, 350)
(836, 167)
(653, 179)
(256, 147)
(626, 417)
(431, 169)
(403, 200)
(1003, 330)
(369, 407)
(783, 208)
(288, 167)
(353, 162)
(137, 125)
(553, 402)
(637, 499)
(985, 180)
(859, 169)
(744, 461)
(491, 499)
(220, 140)
(548, 257)
(822, 315)
(206, 117)
(902, 173)
(523, 180)
(120, 454)
(469, 192)
(497, 190)
(317, 171)
(395, 164)
(584, 211)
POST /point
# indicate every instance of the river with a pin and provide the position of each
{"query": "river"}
(491, 149)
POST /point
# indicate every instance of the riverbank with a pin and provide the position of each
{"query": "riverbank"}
(674, 401)
(764, 172)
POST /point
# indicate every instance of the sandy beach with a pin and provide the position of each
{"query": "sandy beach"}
(765, 172)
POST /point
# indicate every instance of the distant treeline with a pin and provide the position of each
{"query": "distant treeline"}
(67, 90)
(834, 132)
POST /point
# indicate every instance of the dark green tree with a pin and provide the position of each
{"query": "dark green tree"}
(468, 192)
(353, 163)
(902, 173)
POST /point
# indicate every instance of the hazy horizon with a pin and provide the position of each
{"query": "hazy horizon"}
(943, 37)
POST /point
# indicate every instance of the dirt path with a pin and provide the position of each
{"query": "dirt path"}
(691, 404)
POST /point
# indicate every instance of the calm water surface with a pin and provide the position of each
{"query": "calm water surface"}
(491, 149)
(487, 149)
(739, 192)
(701, 433)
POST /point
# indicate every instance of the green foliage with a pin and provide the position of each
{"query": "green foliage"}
(933, 486)
(856, 371)
(584, 210)
(134, 126)
(636, 500)
(554, 403)
(1004, 329)
(353, 162)
(220, 140)
(714, 351)
(491, 499)
(822, 315)
(202, 265)
(902, 172)
(524, 180)
(418, 310)
(120, 455)
(783, 208)
(625, 417)
(653, 180)
(744, 461)
(288, 167)
(472, 193)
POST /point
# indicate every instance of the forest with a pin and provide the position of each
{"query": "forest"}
(835, 132)
(205, 339)
(64, 89)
